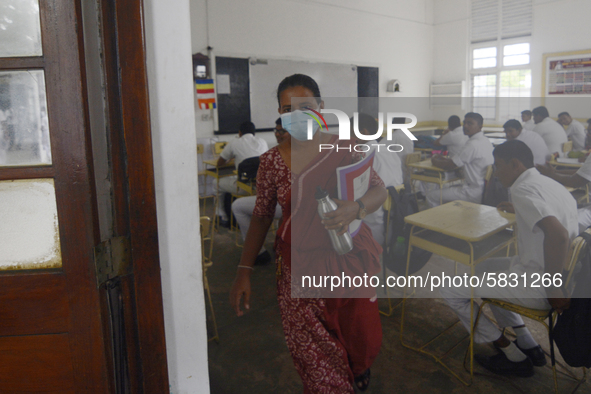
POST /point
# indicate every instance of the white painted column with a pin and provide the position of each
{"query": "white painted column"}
(168, 44)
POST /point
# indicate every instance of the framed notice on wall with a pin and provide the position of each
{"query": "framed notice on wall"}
(567, 74)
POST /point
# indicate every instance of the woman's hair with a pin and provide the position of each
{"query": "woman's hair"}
(298, 80)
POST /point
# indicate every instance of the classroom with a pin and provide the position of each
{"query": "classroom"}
(437, 153)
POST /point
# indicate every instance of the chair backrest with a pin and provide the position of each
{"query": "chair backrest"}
(199, 149)
(413, 158)
(567, 147)
(248, 168)
(574, 255)
(205, 224)
(219, 146)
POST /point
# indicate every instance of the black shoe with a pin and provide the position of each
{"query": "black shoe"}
(263, 258)
(535, 354)
(420, 196)
(501, 365)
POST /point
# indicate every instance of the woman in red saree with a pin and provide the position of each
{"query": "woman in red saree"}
(333, 341)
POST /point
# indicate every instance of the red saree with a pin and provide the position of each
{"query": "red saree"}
(331, 340)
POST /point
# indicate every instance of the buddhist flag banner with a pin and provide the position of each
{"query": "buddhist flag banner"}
(205, 93)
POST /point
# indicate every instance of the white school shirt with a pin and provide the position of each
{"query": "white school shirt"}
(536, 144)
(534, 198)
(529, 125)
(585, 172)
(389, 168)
(553, 134)
(454, 140)
(474, 159)
(386, 164)
(576, 132)
(243, 148)
(398, 137)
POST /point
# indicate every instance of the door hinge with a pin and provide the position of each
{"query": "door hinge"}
(112, 258)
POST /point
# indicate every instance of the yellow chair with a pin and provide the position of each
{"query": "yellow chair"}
(388, 206)
(574, 256)
(414, 157)
(218, 147)
(207, 235)
(202, 176)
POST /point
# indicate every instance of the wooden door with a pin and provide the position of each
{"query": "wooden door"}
(59, 331)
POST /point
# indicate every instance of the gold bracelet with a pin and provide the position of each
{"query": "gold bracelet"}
(246, 266)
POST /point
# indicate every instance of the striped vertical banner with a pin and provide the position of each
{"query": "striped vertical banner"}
(205, 93)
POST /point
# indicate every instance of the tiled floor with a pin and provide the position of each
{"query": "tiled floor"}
(252, 357)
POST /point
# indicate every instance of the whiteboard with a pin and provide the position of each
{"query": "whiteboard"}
(334, 80)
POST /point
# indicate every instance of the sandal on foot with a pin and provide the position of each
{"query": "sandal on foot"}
(362, 381)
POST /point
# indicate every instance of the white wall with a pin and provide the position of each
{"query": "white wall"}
(168, 44)
(558, 25)
(396, 36)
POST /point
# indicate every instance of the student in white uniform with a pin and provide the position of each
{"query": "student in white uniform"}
(243, 207)
(389, 168)
(243, 147)
(408, 146)
(547, 220)
(453, 137)
(513, 131)
(573, 178)
(575, 130)
(552, 133)
(528, 122)
(474, 160)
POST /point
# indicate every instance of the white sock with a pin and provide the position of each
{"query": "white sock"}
(524, 338)
(513, 353)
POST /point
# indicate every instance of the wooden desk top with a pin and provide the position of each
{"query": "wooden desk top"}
(214, 162)
(495, 134)
(464, 220)
(554, 163)
(426, 165)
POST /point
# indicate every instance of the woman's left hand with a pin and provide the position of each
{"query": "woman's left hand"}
(341, 218)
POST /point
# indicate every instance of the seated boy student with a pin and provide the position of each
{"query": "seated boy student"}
(243, 147)
(243, 207)
(514, 131)
(528, 122)
(387, 165)
(453, 137)
(573, 178)
(474, 158)
(575, 130)
(552, 132)
(546, 216)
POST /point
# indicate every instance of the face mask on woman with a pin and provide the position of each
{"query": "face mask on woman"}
(296, 124)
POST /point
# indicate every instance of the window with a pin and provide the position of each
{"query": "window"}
(500, 74)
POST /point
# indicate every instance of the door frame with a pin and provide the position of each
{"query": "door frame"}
(134, 196)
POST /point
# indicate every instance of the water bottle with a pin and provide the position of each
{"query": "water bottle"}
(341, 243)
(400, 247)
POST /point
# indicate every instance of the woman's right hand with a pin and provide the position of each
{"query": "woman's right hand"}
(240, 289)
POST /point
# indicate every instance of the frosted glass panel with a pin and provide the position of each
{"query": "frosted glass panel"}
(29, 236)
(24, 128)
(20, 29)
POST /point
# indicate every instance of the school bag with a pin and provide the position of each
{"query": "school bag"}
(427, 142)
(403, 204)
(572, 331)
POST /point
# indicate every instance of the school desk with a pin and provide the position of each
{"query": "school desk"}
(425, 171)
(467, 233)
